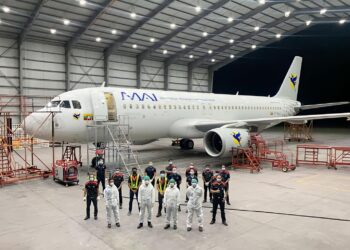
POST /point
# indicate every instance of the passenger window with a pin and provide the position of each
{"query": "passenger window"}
(137, 106)
(124, 106)
(65, 104)
(174, 106)
(76, 105)
(143, 106)
(130, 106)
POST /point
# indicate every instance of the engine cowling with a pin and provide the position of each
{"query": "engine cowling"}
(219, 142)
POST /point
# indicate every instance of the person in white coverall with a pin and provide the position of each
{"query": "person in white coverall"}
(146, 199)
(171, 203)
(111, 196)
(194, 205)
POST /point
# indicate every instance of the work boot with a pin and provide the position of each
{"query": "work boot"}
(212, 222)
(117, 224)
(175, 227)
(228, 203)
(189, 229)
(121, 206)
(150, 224)
(167, 226)
(211, 200)
(109, 225)
(95, 217)
(140, 225)
(86, 218)
(200, 229)
(224, 222)
(129, 213)
(159, 214)
(204, 201)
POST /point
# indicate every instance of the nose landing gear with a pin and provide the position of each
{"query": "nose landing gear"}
(184, 144)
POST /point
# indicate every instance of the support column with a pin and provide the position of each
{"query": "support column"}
(107, 56)
(20, 78)
(210, 79)
(138, 72)
(190, 78)
(68, 56)
(166, 76)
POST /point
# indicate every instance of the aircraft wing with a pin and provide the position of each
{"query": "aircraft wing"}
(322, 105)
(258, 122)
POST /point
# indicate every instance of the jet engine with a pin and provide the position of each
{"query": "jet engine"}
(219, 142)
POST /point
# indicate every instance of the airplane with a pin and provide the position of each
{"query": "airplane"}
(223, 121)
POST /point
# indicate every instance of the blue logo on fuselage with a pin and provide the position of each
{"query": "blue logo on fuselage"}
(138, 97)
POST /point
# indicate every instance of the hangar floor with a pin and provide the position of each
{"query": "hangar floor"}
(305, 209)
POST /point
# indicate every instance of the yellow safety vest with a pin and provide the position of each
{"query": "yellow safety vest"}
(161, 189)
(134, 185)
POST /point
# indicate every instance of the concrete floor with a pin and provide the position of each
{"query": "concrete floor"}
(41, 214)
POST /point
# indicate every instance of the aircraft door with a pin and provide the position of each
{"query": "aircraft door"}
(99, 106)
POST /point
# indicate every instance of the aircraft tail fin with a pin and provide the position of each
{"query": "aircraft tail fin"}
(290, 85)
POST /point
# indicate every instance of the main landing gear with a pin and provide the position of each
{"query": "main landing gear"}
(185, 143)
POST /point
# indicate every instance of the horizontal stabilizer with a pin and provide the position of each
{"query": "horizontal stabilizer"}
(322, 105)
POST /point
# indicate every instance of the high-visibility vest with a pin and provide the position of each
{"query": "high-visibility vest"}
(134, 184)
(161, 189)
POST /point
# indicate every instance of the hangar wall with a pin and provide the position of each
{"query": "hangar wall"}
(44, 71)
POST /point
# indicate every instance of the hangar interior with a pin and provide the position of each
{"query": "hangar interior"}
(48, 47)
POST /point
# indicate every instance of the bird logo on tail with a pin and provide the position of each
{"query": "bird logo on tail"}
(293, 81)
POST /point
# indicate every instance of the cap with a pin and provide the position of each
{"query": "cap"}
(194, 181)
(172, 181)
(146, 178)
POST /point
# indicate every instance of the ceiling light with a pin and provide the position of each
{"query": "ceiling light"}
(256, 28)
(262, 1)
(205, 33)
(66, 22)
(165, 52)
(190, 56)
(173, 25)
(278, 35)
(152, 40)
(323, 11)
(213, 60)
(98, 39)
(198, 9)
(134, 46)
(232, 56)
(287, 13)
(253, 46)
(183, 46)
(231, 41)
(342, 21)
(82, 2)
(132, 14)
(52, 31)
(230, 19)
(308, 22)
(114, 31)
(210, 51)
(6, 9)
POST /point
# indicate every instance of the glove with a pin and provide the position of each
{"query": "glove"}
(98, 198)
(84, 199)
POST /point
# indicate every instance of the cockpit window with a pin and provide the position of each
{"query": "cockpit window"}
(76, 105)
(65, 104)
(53, 104)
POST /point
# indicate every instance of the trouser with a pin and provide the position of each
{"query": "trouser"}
(153, 182)
(226, 192)
(132, 194)
(102, 180)
(219, 202)
(88, 204)
(171, 212)
(206, 190)
(160, 201)
(115, 210)
(199, 213)
(146, 204)
(120, 196)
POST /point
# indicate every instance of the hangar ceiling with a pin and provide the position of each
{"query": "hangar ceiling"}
(207, 33)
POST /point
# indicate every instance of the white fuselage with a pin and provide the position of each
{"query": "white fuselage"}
(152, 114)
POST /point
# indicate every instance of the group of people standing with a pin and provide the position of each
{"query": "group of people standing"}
(167, 185)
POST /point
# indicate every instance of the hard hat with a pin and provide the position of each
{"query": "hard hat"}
(172, 181)
(146, 178)
(194, 181)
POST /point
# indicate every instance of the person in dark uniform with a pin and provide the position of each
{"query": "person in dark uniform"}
(101, 173)
(207, 176)
(118, 178)
(174, 175)
(134, 183)
(191, 167)
(91, 195)
(150, 171)
(218, 191)
(169, 169)
(191, 176)
(225, 174)
(162, 183)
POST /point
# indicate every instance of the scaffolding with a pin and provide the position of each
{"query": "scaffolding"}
(299, 132)
(112, 141)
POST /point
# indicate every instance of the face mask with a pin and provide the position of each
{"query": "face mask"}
(218, 180)
(194, 185)
(191, 173)
(146, 182)
(91, 178)
(100, 163)
(117, 171)
(172, 184)
(174, 171)
(162, 175)
(111, 183)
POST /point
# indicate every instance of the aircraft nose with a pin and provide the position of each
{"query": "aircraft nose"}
(37, 125)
